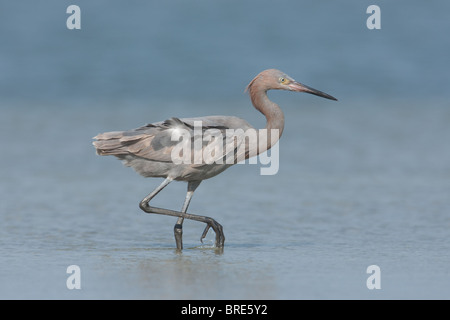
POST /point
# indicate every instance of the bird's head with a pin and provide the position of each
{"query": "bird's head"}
(278, 80)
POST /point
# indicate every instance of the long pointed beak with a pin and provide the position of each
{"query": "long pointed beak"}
(296, 86)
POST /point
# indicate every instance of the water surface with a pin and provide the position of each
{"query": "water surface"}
(362, 181)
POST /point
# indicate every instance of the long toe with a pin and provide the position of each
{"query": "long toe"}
(220, 237)
(205, 232)
(218, 229)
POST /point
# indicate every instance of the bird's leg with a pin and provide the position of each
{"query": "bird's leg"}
(144, 203)
(211, 223)
(178, 229)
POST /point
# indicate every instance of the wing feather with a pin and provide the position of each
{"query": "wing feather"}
(154, 141)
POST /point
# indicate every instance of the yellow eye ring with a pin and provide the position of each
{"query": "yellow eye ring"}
(283, 80)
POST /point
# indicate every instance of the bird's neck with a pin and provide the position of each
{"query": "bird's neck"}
(274, 116)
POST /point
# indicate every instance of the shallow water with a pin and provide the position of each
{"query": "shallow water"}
(338, 204)
(362, 181)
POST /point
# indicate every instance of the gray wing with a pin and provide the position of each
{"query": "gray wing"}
(151, 142)
(154, 141)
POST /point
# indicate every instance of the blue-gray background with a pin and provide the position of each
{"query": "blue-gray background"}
(362, 181)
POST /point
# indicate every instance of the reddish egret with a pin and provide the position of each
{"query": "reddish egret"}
(148, 149)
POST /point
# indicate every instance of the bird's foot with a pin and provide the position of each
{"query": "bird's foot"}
(218, 229)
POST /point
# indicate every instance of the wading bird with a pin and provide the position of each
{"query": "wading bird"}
(148, 149)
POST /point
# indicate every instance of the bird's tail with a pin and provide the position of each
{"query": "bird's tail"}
(111, 143)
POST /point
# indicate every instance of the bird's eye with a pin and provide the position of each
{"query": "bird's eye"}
(282, 80)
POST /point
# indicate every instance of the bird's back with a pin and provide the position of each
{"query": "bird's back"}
(149, 149)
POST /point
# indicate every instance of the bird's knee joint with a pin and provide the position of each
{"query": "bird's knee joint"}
(143, 205)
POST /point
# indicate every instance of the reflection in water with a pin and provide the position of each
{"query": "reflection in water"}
(194, 274)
